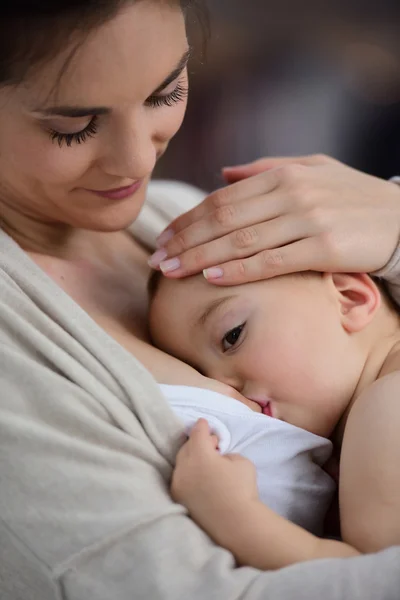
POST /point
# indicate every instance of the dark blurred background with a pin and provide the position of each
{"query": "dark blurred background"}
(292, 77)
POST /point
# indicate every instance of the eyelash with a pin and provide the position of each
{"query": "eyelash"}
(80, 137)
(177, 95)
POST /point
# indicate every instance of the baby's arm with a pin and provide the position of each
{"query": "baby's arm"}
(370, 468)
(260, 538)
(221, 495)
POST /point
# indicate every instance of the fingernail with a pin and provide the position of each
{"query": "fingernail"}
(156, 258)
(213, 273)
(165, 236)
(170, 265)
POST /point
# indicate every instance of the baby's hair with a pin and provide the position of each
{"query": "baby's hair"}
(153, 284)
(386, 294)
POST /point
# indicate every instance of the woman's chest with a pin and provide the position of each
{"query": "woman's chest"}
(110, 286)
(112, 290)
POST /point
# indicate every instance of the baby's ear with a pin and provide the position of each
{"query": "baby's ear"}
(359, 299)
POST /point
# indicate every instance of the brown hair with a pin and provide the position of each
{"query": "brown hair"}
(154, 283)
(33, 31)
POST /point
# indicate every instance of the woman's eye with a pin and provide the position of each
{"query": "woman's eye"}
(231, 338)
(78, 137)
(177, 95)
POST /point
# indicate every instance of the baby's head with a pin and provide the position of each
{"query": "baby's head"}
(299, 342)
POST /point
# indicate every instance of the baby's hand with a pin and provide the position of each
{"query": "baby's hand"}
(215, 489)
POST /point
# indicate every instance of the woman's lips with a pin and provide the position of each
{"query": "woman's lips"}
(118, 193)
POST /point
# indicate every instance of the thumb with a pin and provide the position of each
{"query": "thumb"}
(235, 458)
(235, 174)
(201, 437)
(239, 172)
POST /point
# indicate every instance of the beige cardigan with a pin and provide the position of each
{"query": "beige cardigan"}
(87, 444)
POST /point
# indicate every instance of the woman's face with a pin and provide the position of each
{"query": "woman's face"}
(99, 127)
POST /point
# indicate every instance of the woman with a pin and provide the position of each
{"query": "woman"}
(91, 93)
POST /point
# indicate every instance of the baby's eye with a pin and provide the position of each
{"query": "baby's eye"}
(232, 337)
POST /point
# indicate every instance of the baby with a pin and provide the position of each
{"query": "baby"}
(317, 351)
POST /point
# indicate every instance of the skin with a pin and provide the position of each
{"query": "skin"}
(47, 183)
(282, 341)
(75, 236)
(284, 215)
(324, 350)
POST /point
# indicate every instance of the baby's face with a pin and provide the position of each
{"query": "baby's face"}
(279, 342)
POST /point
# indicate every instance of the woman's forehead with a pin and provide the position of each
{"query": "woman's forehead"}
(123, 60)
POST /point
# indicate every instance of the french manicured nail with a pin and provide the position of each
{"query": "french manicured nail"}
(156, 258)
(170, 265)
(213, 273)
(162, 239)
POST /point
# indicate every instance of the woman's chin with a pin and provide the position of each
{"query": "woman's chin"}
(110, 219)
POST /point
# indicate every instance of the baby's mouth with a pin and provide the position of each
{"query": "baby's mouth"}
(265, 406)
(267, 410)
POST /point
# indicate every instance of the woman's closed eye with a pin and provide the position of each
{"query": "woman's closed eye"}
(77, 136)
(178, 94)
(232, 337)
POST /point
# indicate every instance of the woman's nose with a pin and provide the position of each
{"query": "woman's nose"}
(132, 151)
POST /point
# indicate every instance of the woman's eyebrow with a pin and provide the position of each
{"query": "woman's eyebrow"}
(176, 72)
(75, 112)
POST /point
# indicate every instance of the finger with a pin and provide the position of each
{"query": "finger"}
(305, 255)
(238, 192)
(215, 441)
(234, 457)
(239, 172)
(228, 219)
(200, 436)
(241, 243)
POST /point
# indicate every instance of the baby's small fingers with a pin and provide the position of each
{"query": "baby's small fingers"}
(234, 457)
(215, 441)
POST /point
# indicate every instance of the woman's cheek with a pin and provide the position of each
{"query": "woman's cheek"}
(170, 121)
(66, 164)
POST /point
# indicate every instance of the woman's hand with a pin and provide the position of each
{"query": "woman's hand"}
(286, 215)
(215, 489)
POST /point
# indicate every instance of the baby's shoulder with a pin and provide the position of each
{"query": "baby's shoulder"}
(377, 405)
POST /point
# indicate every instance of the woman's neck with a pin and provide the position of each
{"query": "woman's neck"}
(37, 236)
